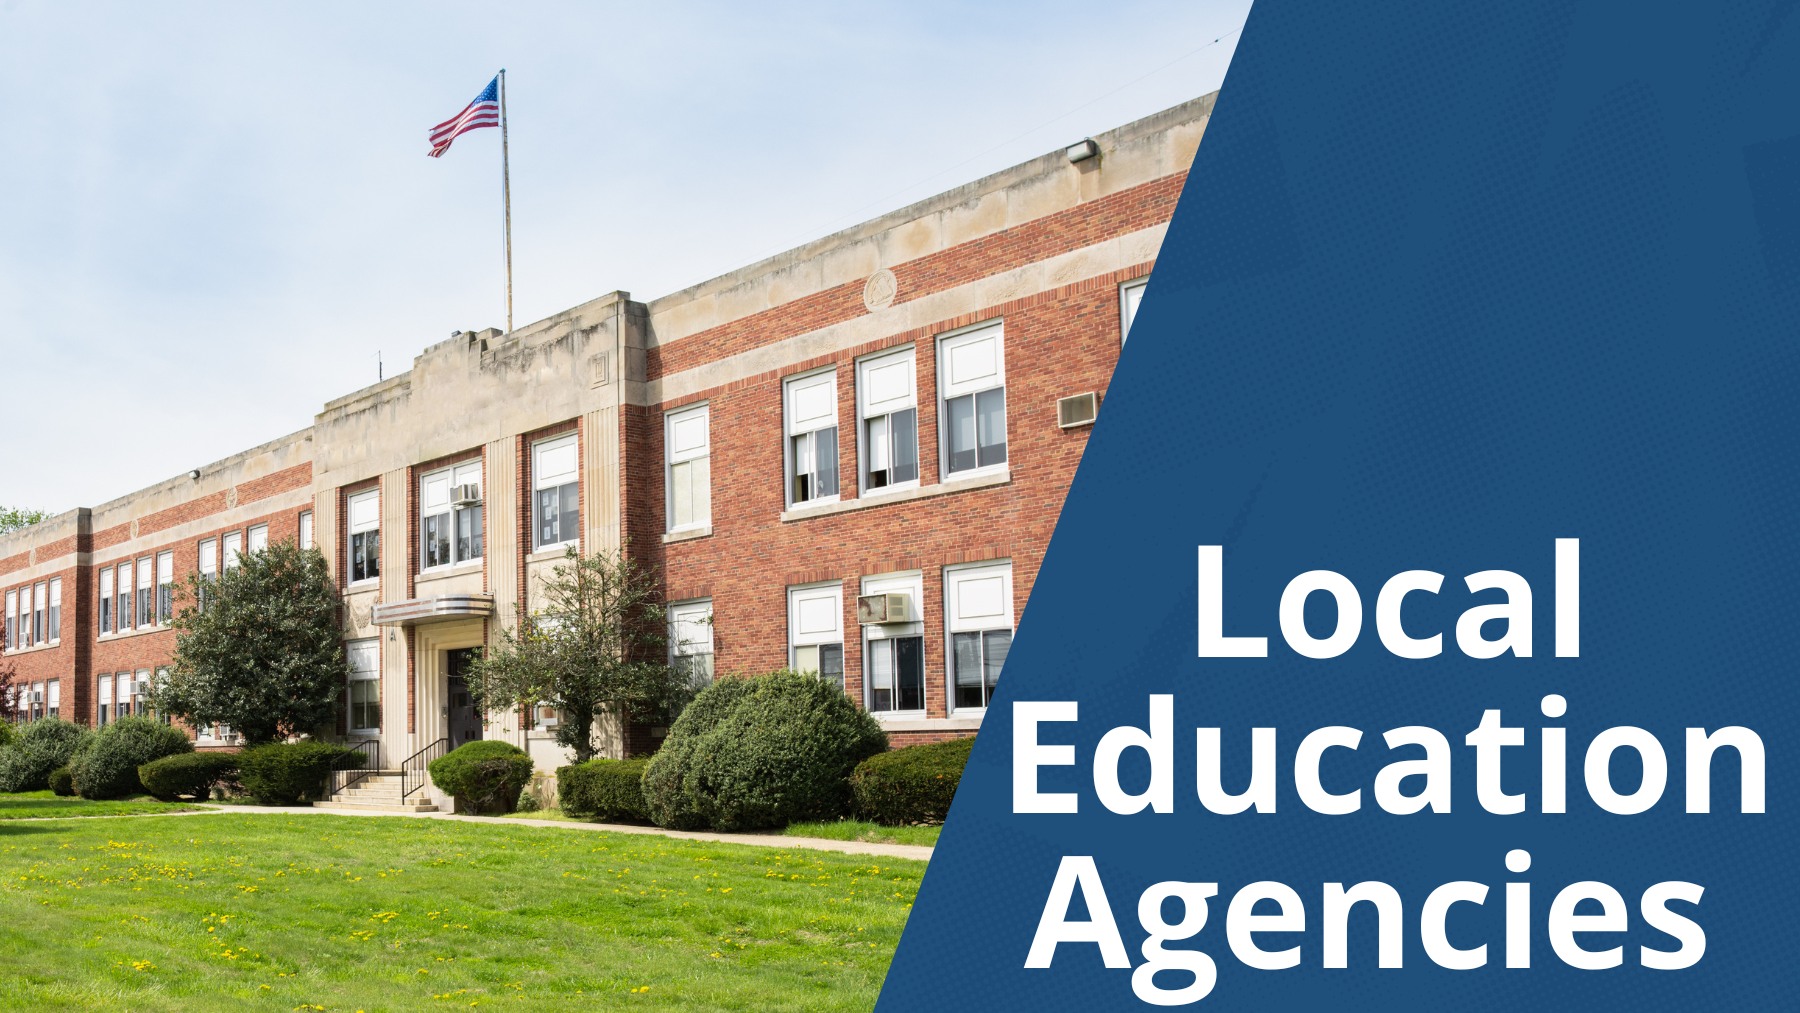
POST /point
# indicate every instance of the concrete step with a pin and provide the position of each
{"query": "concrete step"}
(381, 807)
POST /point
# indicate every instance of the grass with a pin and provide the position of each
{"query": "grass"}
(31, 805)
(856, 830)
(235, 911)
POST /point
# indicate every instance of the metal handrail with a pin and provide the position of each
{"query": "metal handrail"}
(342, 777)
(416, 767)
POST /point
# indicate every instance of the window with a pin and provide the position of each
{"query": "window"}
(972, 376)
(895, 667)
(165, 587)
(888, 407)
(365, 536)
(146, 596)
(53, 698)
(306, 535)
(234, 547)
(37, 701)
(12, 620)
(365, 686)
(53, 629)
(556, 512)
(259, 538)
(1130, 294)
(450, 516)
(38, 601)
(816, 630)
(162, 679)
(122, 615)
(689, 442)
(140, 688)
(106, 593)
(812, 438)
(979, 612)
(103, 696)
(691, 641)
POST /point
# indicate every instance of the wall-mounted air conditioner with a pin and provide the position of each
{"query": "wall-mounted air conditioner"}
(881, 608)
(467, 495)
(1076, 411)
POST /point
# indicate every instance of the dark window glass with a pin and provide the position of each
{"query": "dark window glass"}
(435, 536)
(558, 514)
(906, 446)
(909, 672)
(365, 555)
(978, 660)
(831, 664)
(124, 609)
(815, 464)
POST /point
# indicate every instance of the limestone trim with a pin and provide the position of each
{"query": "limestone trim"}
(293, 499)
(869, 502)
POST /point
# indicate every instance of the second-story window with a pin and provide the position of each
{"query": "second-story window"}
(234, 547)
(259, 538)
(165, 587)
(106, 600)
(1130, 295)
(365, 536)
(54, 628)
(687, 437)
(306, 529)
(972, 379)
(12, 620)
(812, 431)
(450, 516)
(888, 406)
(122, 614)
(39, 600)
(146, 593)
(556, 487)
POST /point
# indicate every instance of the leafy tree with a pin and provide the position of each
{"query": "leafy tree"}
(595, 648)
(14, 518)
(257, 647)
(12, 692)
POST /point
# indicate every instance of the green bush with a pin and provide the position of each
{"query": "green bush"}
(608, 789)
(41, 747)
(107, 766)
(283, 773)
(528, 802)
(772, 750)
(8, 734)
(910, 786)
(61, 783)
(484, 776)
(187, 775)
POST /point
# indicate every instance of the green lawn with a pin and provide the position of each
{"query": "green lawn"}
(241, 911)
(856, 830)
(41, 804)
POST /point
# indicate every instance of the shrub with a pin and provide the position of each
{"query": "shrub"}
(484, 775)
(41, 747)
(608, 789)
(283, 773)
(106, 767)
(61, 782)
(912, 785)
(187, 775)
(779, 753)
(8, 734)
(528, 802)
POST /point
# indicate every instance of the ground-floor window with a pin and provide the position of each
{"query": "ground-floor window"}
(816, 630)
(978, 610)
(365, 686)
(897, 674)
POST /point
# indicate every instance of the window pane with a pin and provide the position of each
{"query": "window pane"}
(962, 432)
(990, 410)
(702, 489)
(569, 525)
(547, 513)
(436, 534)
(372, 552)
(357, 570)
(801, 448)
(831, 664)
(681, 479)
(825, 450)
(806, 659)
(875, 438)
(995, 645)
(909, 673)
(468, 534)
(906, 446)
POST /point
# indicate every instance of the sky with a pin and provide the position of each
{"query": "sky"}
(215, 217)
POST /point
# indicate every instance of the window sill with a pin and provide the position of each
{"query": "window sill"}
(1001, 477)
(914, 724)
(128, 634)
(687, 534)
(447, 572)
(371, 584)
(553, 552)
(34, 648)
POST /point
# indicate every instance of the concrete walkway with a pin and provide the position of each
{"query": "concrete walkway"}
(763, 840)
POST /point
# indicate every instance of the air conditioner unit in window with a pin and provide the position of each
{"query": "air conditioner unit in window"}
(1076, 411)
(467, 495)
(881, 608)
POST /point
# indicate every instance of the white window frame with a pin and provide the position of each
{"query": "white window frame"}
(951, 387)
(355, 527)
(793, 389)
(956, 622)
(692, 455)
(53, 698)
(1131, 293)
(39, 613)
(165, 587)
(257, 539)
(12, 620)
(53, 612)
(305, 529)
(370, 649)
(124, 603)
(542, 478)
(464, 473)
(808, 603)
(206, 557)
(231, 546)
(145, 600)
(875, 636)
(103, 704)
(906, 358)
(691, 633)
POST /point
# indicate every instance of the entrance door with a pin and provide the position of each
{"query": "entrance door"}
(465, 723)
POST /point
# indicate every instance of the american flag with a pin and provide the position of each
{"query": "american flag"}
(483, 112)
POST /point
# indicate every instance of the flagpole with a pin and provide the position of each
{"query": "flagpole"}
(506, 191)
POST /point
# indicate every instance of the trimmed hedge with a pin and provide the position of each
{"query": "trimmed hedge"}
(484, 775)
(607, 789)
(61, 783)
(283, 773)
(107, 764)
(768, 751)
(187, 775)
(41, 747)
(910, 786)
